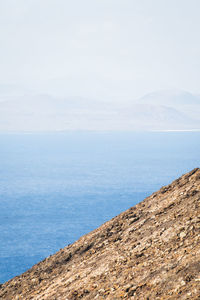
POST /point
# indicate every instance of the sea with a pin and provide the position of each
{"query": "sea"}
(56, 187)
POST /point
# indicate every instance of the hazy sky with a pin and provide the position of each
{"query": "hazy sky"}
(110, 49)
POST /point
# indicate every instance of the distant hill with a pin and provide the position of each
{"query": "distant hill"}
(47, 113)
(151, 251)
(158, 117)
(162, 110)
(171, 98)
(183, 101)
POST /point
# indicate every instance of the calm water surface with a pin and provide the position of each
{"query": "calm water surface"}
(56, 187)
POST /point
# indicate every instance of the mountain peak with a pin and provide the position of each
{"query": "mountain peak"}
(150, 251)
(171, 97)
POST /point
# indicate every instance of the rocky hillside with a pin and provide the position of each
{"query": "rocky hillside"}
(150, 251)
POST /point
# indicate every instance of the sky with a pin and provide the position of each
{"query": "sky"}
(103, 49)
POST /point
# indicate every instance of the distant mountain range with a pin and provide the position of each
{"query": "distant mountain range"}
(167, 110)
(161, 110)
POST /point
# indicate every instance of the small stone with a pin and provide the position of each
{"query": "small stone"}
(182, 282)
(197, 279)
(182, 235)
(127, 287)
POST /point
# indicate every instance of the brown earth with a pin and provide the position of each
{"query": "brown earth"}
(150, 251)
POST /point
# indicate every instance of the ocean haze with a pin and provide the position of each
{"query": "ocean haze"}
(161, 110)
(99, 65)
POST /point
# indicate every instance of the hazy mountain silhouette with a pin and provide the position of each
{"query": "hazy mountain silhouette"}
(171, 98)
(162, 110)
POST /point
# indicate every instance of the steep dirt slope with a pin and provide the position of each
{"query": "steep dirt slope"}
(151, 251)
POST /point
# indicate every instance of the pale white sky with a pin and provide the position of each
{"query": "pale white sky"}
(111, 49)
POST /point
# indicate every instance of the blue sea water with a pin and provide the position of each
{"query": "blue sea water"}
(56, 187)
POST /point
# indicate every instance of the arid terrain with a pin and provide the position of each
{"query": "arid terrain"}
(151, 251)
